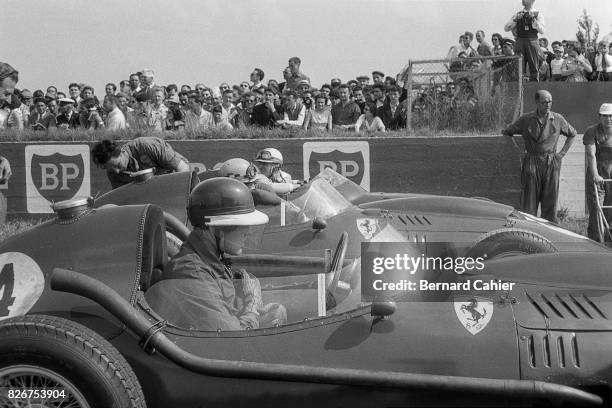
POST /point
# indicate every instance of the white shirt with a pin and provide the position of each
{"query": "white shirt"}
(598, 65)
(299, 121)
(115, 120)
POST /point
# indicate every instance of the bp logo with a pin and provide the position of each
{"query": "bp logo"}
(55, 173)
(351, 159)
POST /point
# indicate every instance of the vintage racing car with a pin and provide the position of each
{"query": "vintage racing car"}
(76, 328)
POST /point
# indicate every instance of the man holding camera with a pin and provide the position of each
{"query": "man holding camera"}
(526, 25)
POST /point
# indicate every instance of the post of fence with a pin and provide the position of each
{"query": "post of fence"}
(520, 85)
(408, 86)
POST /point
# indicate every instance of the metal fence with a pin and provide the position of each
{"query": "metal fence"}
(463, 94)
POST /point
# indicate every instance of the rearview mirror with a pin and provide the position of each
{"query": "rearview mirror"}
(319, 224)
(383, 309)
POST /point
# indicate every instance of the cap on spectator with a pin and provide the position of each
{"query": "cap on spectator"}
(379, 73)
(335, 81)
(507, 41)
(352, 82)
(26, 93)
(173, 99)
(605, 109)
(367, 78)
(64, 101)
(304, 82)
(148, 72)
(38, 94)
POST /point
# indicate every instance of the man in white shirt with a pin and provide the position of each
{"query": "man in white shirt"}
(295, 112)
(197, 118)
(115, 120)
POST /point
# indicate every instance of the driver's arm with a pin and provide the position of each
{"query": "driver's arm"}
(182, 166)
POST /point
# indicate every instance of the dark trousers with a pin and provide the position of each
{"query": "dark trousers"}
(530, 49)
(604, 168)
(540, 185)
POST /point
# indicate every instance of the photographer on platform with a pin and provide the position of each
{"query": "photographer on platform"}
(526, 25)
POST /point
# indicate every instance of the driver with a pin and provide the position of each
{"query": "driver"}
(260, 185)
(198, 289)
(269, 162)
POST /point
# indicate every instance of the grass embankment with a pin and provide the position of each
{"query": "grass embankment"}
(216, 134)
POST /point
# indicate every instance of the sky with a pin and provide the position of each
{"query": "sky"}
(212, 41)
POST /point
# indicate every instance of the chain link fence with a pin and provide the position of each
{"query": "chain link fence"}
(463, 94)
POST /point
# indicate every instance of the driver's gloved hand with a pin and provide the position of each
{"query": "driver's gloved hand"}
(251, 292)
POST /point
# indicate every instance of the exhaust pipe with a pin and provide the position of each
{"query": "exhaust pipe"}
(64, 280)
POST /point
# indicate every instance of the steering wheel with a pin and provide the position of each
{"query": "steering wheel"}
(337, 263)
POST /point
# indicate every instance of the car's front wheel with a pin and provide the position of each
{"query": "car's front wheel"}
(510, 242)
(50, 361)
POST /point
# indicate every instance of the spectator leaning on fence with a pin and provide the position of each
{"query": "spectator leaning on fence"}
(598, 145)
(576, 67)
(526, 25)
(393, 112)
(541, 165)
(602, 63)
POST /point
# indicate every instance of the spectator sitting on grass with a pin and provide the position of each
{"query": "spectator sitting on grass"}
(265, 114)
(220, 121)
(294, 111)
(115, 120)
(368, 121)
(244, 118)
(197, 118)
(67, 119)
(319, 116)
(40, 118)
(89, 118)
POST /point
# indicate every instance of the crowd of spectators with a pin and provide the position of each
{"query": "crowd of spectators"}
(141, 104)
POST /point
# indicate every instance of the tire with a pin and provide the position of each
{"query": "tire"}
(510, 242)
(48, 352)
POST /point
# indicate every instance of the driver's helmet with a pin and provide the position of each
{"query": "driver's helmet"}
(221, 201)
(238, 169)
(269, 155)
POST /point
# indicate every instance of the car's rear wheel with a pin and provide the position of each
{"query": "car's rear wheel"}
(67, 363)
(510, 242)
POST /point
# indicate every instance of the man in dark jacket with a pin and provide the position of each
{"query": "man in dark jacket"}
(393, 112)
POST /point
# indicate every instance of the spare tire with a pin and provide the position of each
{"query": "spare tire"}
(53, 353)
(506, 242)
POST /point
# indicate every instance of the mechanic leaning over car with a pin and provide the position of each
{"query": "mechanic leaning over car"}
(269, 162)
(138, 154)
(541, 164)
(598, 145)
(199, 290)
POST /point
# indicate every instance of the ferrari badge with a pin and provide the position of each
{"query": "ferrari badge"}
(474, 313)
(368, 227)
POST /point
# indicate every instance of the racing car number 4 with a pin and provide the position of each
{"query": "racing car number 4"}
(21, 284)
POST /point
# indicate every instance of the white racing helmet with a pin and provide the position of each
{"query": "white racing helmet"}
(269, 155)
(238, 169)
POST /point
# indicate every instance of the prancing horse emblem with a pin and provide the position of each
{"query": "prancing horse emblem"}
(367, 227)
(474, 313)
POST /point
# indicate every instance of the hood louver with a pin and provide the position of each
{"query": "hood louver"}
(412, 220)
